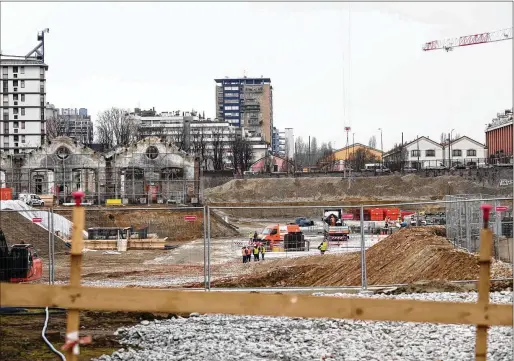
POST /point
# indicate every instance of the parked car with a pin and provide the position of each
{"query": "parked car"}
(32, 200)
(409, 170)
(304, 222)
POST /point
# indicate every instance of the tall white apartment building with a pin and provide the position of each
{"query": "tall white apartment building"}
(23, 93)
(23, 100)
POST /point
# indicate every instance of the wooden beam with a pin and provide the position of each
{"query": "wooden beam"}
(484, 284)
(131, 299)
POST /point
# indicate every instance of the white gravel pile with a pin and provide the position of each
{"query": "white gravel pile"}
(222, 337)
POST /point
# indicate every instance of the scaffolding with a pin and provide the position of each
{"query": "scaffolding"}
(464, 220)
(137, 174)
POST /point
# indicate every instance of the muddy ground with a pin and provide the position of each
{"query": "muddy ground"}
(21, 335)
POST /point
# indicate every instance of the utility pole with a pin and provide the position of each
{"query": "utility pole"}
(309, 162)
(381, 149)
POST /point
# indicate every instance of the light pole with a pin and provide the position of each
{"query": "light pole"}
(381, 149)
(353, 149)
(449, 149)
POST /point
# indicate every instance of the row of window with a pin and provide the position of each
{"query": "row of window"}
(455, 153)
(232, 107)
(14, 69)
(15, 97)
(16, 138)
(232, 95)
(21, 70)
(231, 88)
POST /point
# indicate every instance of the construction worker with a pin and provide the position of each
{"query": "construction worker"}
(248, 254)
(255, 253)
(255, 236)
(323, 246)
(243, 252)
(263, 250)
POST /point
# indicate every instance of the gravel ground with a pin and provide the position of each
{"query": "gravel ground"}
(223, 337)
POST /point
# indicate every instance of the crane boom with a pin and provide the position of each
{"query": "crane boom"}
(450, 43)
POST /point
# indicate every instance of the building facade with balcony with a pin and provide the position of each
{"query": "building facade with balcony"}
(23, 93)
(246, 102)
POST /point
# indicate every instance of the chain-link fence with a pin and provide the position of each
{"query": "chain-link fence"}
(254, 247)
(464, 222)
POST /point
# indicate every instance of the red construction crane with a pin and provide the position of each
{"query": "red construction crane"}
(449, 44)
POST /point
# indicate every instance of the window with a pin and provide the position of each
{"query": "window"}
(15, 83)
(22, 69)
(15, 97)
(232, 101)
(14, 69)
(23, 83)
(4, 70)
(430, 153)
(42, 71)
(15, 125)
(231, 95)
(22, 125)
(471, 153)
(234, 107)
(15, 111)
(23, 139)
(22, 111)
(16, 138)
(415, 153)
(456, 152)
(22, 97)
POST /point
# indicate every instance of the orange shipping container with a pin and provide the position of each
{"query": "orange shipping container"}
(377, 214)
(5, 194)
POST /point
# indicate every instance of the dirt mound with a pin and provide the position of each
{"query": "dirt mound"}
(164, 223)
(407, 256)
(18, 228)
(334, 189)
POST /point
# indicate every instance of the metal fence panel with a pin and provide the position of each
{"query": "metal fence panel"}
(420, 255)
(140, 247)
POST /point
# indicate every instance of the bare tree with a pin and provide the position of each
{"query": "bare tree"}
(199, 146)
(218, 149)
(115, 128)
(372, 142)
(242, 154)
(55, 126)
(362, 156)
(397, 158)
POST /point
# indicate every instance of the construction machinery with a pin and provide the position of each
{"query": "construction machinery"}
(281, 237)
(20, 263)
(334, 225)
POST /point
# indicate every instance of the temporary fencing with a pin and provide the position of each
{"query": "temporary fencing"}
(202, 247)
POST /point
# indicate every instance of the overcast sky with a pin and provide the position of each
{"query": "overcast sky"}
(328, 69)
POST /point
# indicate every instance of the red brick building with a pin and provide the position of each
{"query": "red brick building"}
(499, 136)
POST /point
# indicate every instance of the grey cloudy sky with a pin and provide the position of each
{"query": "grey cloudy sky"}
(166, 55)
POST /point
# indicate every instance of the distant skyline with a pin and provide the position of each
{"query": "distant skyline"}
(327, 72)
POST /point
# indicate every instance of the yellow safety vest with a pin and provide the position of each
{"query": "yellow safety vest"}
(323, 246)
(263, 249)
(256, 250)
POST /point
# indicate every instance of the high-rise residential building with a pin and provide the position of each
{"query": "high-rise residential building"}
(283, 142)
(23, 104)
(70, 122)
(23, 93)
(246, 102)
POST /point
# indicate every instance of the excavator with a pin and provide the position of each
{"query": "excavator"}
(20, 263)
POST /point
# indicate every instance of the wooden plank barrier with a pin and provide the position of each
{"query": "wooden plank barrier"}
(75, 297)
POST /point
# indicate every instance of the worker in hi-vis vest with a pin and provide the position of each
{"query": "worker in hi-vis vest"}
(255, 253)
(323, 246)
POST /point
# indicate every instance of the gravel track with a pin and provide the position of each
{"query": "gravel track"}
(224, 337)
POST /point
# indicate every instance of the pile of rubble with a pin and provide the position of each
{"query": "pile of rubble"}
(409, 255)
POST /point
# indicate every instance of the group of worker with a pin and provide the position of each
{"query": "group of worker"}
(258, 252)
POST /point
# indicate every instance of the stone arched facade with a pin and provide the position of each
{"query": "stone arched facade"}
(148, 168)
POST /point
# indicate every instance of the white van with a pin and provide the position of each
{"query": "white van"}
(31, 199)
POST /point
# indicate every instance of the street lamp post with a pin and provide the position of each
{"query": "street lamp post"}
(449, 149)
(381, 149)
